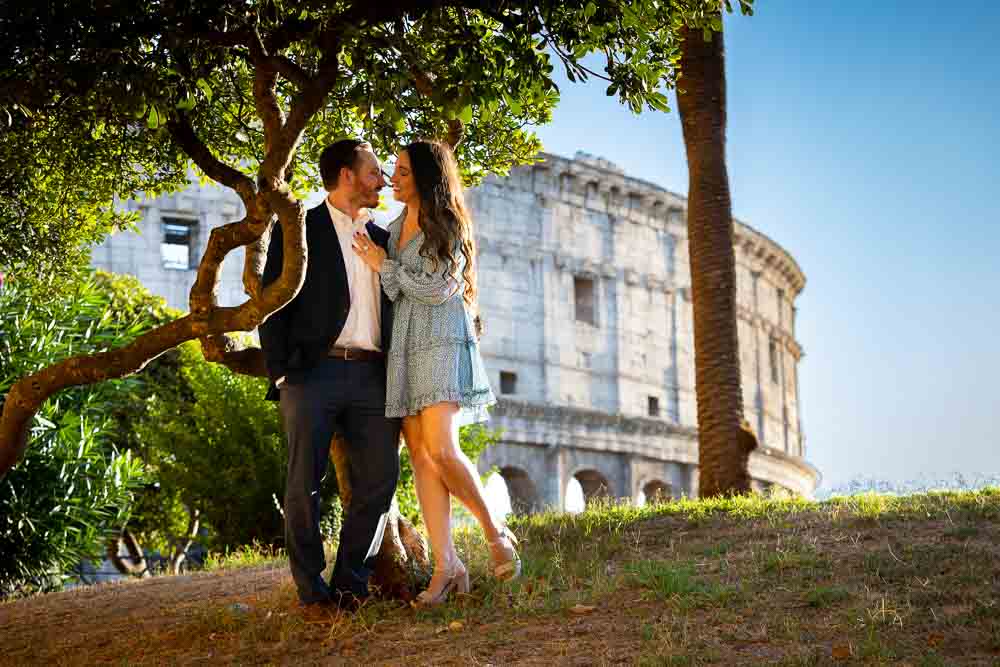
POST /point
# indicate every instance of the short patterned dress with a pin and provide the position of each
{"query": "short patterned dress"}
(434, 356)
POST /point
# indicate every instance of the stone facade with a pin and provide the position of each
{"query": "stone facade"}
(585, 292)
(585, 289)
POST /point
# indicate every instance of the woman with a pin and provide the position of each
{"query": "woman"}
(436, 377)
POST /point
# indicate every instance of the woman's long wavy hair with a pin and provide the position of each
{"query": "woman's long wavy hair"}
(444, 218)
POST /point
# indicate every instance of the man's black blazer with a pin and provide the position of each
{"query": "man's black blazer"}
(298, 336)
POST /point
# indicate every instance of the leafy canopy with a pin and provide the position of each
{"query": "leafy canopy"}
(97, 98)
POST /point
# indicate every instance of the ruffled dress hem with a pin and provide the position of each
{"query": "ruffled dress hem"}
(473, 404)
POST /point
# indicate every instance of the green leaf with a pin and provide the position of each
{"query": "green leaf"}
(187, 103)
(205, 88)
(659, 102)
(155, 119)
(465, 115)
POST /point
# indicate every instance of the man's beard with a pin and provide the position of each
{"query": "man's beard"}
(369, 199)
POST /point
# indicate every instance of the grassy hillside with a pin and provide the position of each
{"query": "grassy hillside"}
(869, 579)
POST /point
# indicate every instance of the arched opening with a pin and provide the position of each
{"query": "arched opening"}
(521, 490)
(497, 495)
(593, 485)
(574, 497)
(654, 492)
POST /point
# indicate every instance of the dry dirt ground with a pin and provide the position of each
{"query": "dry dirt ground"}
(912, 581)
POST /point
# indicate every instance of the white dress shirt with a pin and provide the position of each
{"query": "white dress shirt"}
(363, 328)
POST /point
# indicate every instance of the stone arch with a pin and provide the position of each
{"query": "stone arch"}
(594, 484)
(656, 491)
(524, 498)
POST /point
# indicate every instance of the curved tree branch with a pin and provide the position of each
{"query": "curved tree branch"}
(182, 132)
(28, 393)
(230, 352)
(292, 217)
(288, 69)
(265, 83)
(221, 241)
(304, 105)
(253, 264)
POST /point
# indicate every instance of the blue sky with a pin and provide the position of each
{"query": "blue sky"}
(863, 138)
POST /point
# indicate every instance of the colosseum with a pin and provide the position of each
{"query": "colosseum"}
(585, 291)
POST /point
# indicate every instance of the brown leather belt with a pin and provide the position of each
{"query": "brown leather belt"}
(355, 354)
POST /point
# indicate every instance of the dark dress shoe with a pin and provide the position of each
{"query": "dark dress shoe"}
(317, 612)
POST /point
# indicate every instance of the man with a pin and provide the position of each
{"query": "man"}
(325, 353)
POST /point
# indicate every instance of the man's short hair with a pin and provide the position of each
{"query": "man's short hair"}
(336, 156)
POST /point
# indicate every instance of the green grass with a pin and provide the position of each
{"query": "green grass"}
(717, 550)
(666, 579)
(612, 518)
(251, 555)
(963, 532)
(826, 596)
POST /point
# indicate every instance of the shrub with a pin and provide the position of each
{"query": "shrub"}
(219, 445)
(76, 482)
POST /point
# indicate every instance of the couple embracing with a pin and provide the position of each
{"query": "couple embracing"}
(380, 339)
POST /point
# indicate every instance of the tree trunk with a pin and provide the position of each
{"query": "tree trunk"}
(184, 544)
(135, 563)
(723, 446)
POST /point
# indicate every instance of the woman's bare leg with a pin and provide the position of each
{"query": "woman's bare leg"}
(439, 434)
(435, 503)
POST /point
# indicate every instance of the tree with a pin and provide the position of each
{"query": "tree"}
(725, 440)
(104, 101)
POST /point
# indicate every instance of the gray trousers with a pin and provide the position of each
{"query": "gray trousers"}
(347, 397)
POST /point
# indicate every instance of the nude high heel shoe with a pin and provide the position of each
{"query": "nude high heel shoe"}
(506, 562)
(458, 582)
